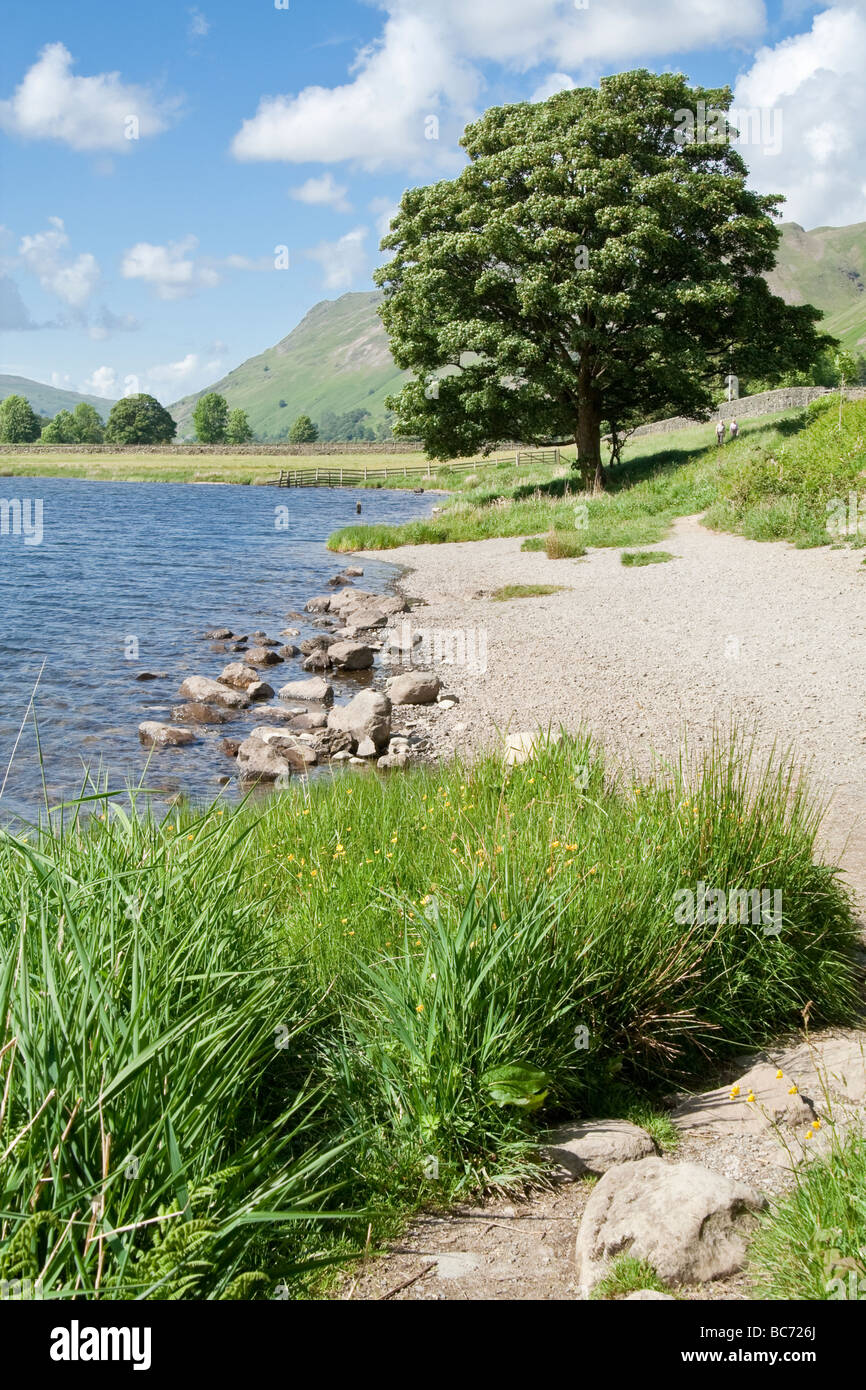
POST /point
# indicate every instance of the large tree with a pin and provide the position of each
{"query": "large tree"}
(139, 420)
(239, 430)
(60, 430)
(211, 417)
(599, 259)
(89, 428)
(303, 431)
(19, 424)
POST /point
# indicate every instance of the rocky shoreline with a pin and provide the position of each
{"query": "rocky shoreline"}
(362, 639)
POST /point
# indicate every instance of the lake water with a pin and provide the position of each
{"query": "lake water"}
(122, 567)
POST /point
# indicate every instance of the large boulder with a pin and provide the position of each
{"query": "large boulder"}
(242, 677)
(319, 603)
(208, 692)
(363, 618)
(259, 762)
(351, 656)
(263, 656)
(689, 1223)
(593, 1146)
(294, 748)
(414, 688)
(155, 735)
(316, 689)
(368, 716)
(319, 660)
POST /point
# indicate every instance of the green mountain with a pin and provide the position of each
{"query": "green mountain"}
(336, 359)
(47, 400)
(826, 267)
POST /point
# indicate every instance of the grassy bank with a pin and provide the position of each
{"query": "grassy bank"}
(233, 1039)
(773, 483)
(216, 468)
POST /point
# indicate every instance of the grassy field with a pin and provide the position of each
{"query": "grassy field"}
(773, 483)
(203, 468)
(233, 1040)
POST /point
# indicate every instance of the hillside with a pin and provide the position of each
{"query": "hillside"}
(826, 267)
(47, 400)
(336, 359)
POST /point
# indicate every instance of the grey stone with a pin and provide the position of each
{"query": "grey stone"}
(156, 735)
(593, 1146)
(202, 688)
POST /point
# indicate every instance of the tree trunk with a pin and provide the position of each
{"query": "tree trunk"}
(588, 436)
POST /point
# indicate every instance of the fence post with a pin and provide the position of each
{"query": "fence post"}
(428, 468)
(341, 475)
(365, 472)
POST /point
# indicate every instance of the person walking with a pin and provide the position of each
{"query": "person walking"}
(720, 433)
(735, 429)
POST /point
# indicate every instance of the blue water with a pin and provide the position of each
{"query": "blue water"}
(160, 563)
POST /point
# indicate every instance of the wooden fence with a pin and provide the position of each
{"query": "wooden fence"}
(353, 477)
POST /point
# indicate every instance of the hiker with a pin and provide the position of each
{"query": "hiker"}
(358, 508)
(720, 433)
(735, 429)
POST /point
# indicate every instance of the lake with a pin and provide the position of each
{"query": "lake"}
(126, 577)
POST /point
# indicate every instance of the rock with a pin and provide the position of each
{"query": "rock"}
(519, 748)
(400, 643)
(366, 748)
(238, 675)
(316, 689)
(151, 675)
(647, 1294)
(292, 748)
(290, 632)
(263, 656)
(446, 704)
(350, 598)
(353, 572)
(262, 641)
(259, 762)
(288, 651)
(727, 1110)
(393, 760)
(230, 746)
(593, 1146)
(320, 642)
(368, 716)
(155, 735)
(260, 690)
(320, 603)
(689, 1223)
(217, 634)
(414, 688)
(447, 700)
(351, 656)
(234, 646)
(319, 660)
(193, 712)
(309, 721)
(391, 603)
(363, 618)
(208, 692)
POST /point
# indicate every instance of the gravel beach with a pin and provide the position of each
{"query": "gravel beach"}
(762, 633)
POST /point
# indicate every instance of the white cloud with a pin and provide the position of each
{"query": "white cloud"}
(384, 209)
(86, 113)
(170, 373)
(170, 269)
(323, 192)
(814, 84)
(102, 382)
(344, 262)
(556, 82)
(62, 380)
(45, 255)
(199, 24)
(427, 63)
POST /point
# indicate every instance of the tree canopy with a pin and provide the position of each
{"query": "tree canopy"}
(599, 259)
(210, 418)
(238, 430)
(303, 431)
(139, 420)
(19, 423)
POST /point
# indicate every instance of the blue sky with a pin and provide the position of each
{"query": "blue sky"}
(149, 262)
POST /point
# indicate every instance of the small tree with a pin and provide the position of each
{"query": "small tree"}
(239, 430)
(19, 424)
(847, 369)
(139, 420)
(60, 430)
(303, 431)
(89, 428)
(210, 418)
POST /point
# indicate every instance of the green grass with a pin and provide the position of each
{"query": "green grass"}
(557, 545)
(645, 557)
(626, 1275)
(509, 591)
(283, 1012)
(214, 468)
(812, 1245)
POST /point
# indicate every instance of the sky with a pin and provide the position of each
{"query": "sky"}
(180, 184)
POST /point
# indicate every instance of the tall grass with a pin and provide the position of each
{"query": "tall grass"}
(231, 1039)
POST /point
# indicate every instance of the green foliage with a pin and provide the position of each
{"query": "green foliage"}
(19, 423)
(139, 420)
(88, 426)
(60, 430)
(210, 418)
(645, 557)
(509, 591)
(812, 1243)
(303, 431)
(626, 1275)
(591, 262)
(238, 429)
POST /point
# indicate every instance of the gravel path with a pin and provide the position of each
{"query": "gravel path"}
(731, 628)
